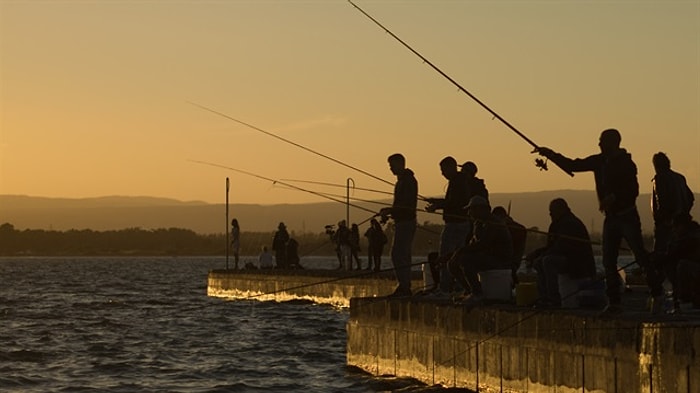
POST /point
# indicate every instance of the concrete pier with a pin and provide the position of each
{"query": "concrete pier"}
(334, 287)
(509, 349)
(492, 348)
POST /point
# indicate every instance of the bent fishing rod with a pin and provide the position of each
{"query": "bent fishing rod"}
(338, 186)
(281, 183)
(268, 133)
(542, 164)
(356, 199)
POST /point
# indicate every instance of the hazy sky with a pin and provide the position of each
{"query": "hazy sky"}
(94, 94)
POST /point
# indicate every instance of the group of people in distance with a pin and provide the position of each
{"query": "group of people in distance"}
(347, 244)
(476, 238)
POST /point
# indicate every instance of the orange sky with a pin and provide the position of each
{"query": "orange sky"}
(93, 95)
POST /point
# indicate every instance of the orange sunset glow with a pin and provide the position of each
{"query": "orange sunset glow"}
(95, 96)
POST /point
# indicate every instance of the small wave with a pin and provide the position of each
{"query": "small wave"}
(24, 356)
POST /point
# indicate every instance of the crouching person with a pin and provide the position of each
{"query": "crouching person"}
(568, 252)
(489, 248)
(684, 252)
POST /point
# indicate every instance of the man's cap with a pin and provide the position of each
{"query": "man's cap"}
(469, 166)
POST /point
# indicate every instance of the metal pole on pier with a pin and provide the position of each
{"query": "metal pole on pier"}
(228, 245)
(347, 199)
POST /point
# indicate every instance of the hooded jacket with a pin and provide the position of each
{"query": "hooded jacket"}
(405, 197)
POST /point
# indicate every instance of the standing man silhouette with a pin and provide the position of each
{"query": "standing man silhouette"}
(617, 189)
(403, 212)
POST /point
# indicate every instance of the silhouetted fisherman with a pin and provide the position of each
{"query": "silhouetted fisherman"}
(489, 248)
(235, 241)
(617, 188)
(568, 251)
(342, 239)
(376, 239)
(355, 246)
(403, 211)
(475, 185)
(670, 197)
(293, 260)
(458, 226)
(684, 251)
(279, 244)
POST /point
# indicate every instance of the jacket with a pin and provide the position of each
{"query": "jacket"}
(615, 175)
(670, 196)
(405, 197)
(568, 237)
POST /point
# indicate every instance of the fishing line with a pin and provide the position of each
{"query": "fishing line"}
(290, 142)
(541, 164)
(280, 182)
(339, 186)
(354, 198)
(496, 334)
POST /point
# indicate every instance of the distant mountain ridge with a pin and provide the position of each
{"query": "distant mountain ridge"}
(29, 202)
(120, 212)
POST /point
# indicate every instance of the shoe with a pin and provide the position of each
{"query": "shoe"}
(459, 296)
(400, 292)
(611, 310)
(472, 301)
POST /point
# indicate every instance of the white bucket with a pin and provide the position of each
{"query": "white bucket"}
(496, 284)
(568, 291)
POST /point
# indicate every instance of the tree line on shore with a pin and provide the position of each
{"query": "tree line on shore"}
(178, 241)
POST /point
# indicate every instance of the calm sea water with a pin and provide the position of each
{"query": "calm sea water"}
(146, 325)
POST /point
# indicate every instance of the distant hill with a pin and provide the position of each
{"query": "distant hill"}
(119, 212)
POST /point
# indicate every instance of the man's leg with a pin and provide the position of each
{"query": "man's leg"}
(404, 232)
(553, 265)
(456, 268)
(632, 232)
(454, 236)
(612, 236)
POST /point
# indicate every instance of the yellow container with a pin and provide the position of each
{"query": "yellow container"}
(526, 293)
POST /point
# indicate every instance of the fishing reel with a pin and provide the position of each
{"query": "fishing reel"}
(541, 163)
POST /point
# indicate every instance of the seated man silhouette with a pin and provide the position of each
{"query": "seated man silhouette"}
(489, 248)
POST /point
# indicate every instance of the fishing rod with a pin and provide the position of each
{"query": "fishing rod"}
(338, 185)
(290, 142)
(540, 163)
(280, 182)
(354, 198)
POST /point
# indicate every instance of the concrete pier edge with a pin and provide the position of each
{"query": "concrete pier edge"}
(494, 348)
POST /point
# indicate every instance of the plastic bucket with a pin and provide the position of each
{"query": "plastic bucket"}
(526, 294)
(496, 284)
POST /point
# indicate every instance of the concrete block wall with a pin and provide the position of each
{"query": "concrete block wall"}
(505, 349)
